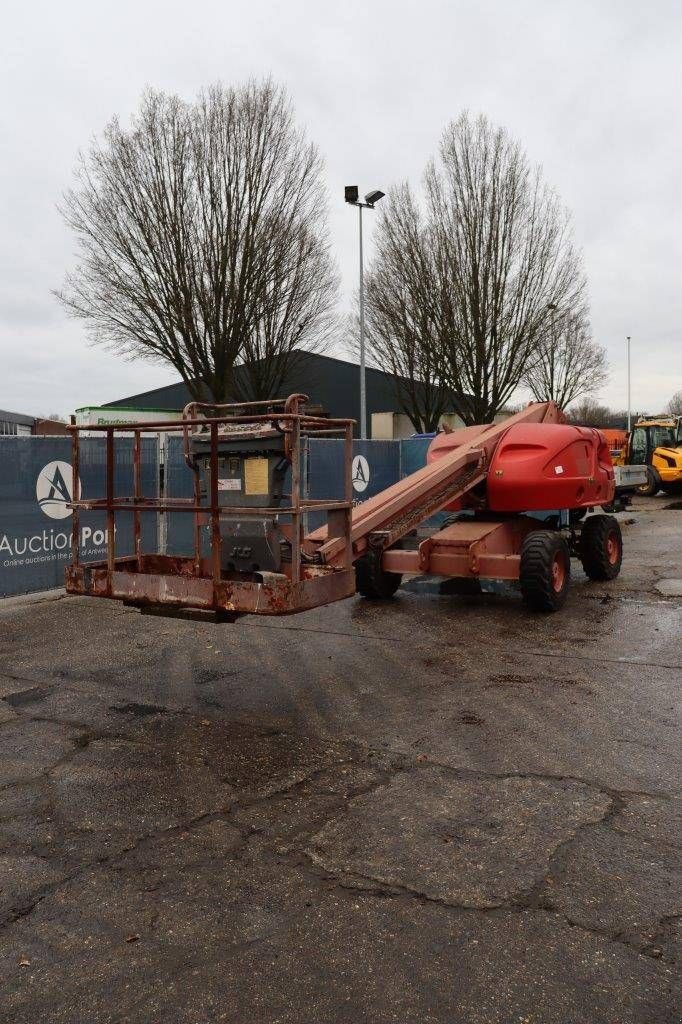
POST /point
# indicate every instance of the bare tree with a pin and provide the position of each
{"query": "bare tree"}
(495, 253)
(201, 232)
(506, 256)
(568, 363)
(401, 330)
(296, 315)
(589, 413)
(674, 406)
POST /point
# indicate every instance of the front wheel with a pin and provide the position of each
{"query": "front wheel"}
(373, 581)
(545, 571)
(652, 485)
(601, 547)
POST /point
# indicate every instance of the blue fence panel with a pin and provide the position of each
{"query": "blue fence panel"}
(36, 482)
(179, 483)
(413, 454)
(376, 465)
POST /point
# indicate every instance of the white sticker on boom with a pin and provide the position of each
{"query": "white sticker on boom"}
(231, 484)
(558, 470)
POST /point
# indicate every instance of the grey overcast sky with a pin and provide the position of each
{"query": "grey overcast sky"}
(593, 90)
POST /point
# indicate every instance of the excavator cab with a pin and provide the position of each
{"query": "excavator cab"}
(657, 444)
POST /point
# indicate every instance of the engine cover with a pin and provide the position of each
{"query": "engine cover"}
(540, 466)
(250, 544)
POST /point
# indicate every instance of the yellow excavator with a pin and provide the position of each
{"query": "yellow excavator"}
(656, 442)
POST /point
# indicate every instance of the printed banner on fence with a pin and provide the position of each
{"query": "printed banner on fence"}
(36, 485)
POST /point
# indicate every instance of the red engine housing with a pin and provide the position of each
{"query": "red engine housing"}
(541, 466)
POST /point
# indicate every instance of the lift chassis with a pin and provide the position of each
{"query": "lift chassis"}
(262, 561)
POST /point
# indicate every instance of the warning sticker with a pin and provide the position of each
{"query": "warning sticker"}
(231, 484)
(255, 476)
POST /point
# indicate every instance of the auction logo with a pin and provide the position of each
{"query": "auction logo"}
(360, 473)
(54, 488)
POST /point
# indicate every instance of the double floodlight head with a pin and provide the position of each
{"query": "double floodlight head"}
(351, 194)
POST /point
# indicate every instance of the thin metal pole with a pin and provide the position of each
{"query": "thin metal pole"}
(363, 384)
(216, 539)
(296, 501)
(551, 394)
(137, 488)
(348, 494)
(111, 520)
(197, 522)
(75, 462)
(628, 370)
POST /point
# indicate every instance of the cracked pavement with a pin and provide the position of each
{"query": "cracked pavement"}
(438, 809)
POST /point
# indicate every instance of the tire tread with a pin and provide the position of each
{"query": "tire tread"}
(535, 576)
(593, 556)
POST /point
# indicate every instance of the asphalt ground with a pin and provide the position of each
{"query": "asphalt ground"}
(438, 809)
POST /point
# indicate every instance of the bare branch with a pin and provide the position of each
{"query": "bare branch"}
(401, 321)
(674, 406)
(568, 364)
(202, 237)
(460, 294)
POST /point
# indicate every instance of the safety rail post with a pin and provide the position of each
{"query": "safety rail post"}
(348, 492)
(295, 499)
(137, 532)
(197, 522)
(216, 540)
(162, 485)
(305, 478)
(75, 463)
(111, 525)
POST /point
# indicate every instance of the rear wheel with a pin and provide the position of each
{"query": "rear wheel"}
(545, 571)
(601, 547)
(373, 581)
(652, 485)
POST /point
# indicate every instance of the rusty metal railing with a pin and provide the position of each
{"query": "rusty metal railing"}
(289, 421)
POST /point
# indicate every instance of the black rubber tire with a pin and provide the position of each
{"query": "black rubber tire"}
(601, 547)
(371, 580)
(652, 485)
(540, 552)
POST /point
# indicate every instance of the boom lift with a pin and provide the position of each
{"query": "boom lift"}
(489, 477)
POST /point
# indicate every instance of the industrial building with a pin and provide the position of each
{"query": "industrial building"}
(16, 424)
(13, 423)
(333, 386)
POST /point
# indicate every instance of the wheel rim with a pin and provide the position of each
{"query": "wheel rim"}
(558, 572)
(612, 547)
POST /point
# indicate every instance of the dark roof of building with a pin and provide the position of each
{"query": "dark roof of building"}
(333, 384)
(17, 417)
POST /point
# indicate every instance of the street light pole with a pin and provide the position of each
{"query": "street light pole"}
(351, 197)
(628, 372)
